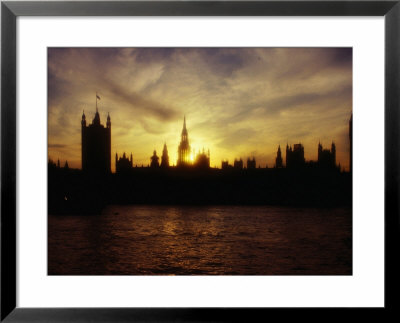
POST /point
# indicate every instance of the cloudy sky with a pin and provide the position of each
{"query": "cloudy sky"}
(238, 102)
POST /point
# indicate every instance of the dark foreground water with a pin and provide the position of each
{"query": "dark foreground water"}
(225, 240)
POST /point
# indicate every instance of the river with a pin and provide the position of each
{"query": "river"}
(212, 240)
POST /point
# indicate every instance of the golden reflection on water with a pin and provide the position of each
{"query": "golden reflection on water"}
(218, 240)
(171, 223)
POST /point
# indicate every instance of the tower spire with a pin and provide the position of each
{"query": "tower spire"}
(184, 147)
(83, 122)
(184, 130)
(108, 120)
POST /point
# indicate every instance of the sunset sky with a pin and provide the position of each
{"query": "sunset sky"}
(238, 102)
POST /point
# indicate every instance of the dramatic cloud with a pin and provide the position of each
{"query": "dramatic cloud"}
(238, 102)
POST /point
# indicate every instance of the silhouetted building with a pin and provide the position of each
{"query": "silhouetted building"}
(295, 156)
(56, 166)
(51, 164)
(238, 164)
(123, 164)
(351, 142)
(96, 145)
(202, 160)
(164, 157)
(225, 164)
(278, 160)
(326, 157)
(251, 163)
(154, 160)
(184, 147)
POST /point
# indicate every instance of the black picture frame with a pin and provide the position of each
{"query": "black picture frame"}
(10, 10)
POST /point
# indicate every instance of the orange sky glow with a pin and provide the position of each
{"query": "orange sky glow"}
(238, 102)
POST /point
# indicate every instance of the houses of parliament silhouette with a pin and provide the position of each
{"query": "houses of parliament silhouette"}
(291, 181)
(96, 145)
(96, 153)
(201, 161)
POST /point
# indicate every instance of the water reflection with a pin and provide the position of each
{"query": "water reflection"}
(153, 240)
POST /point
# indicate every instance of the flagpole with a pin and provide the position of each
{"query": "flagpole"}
(96, 102)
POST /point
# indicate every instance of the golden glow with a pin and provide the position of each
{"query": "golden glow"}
(238, 103)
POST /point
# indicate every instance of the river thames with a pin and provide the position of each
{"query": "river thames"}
(206, 240)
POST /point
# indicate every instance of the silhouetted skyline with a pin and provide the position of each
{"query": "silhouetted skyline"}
(96, 153)
(238, 102)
